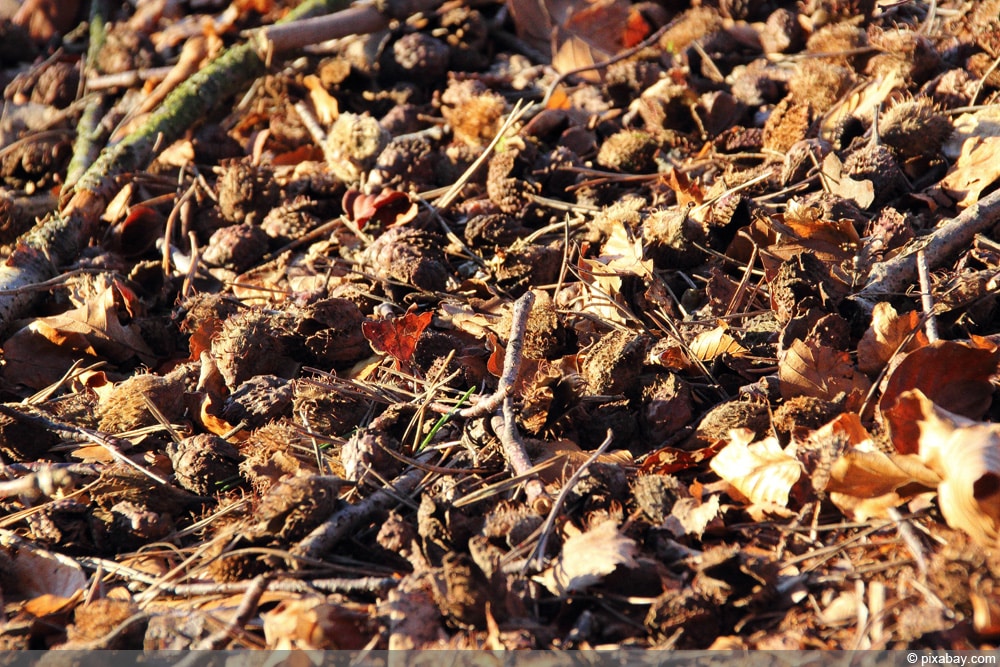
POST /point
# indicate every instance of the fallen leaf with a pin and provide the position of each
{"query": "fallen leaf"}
(842, 185)
(711, 344)
(886, 335)
(669, 460)
(397, 336)
(966, 454)
(954, 375)
(820, 371)
(977, 168)
(691, 516)
(589, 557)
(761, 472)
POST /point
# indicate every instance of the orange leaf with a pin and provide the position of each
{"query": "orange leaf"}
(397, 336)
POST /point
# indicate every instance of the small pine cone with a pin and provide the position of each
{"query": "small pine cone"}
(626, 80)
(410, 256)
(422, 58)
(877, 163)
(914, 128)
(473, 111)
(332, 332)
(837, 42)
(249, 343)
(492, 230)
(905, 52)
(260, 399)
(202, 463)
(247, 192)
(236, 247)
(468, 37)
(506, 181)
(629, 151)
(57, 84)
(286, 223)
(525, 266)
(355, 142)
(407, 163)
(125, 408)
(327, 410)
(612, 365)
(820, 84)
(293, 508)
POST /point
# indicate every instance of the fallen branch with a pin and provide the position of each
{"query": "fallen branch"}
(898, 273)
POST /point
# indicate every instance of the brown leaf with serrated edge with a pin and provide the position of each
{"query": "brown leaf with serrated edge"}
(397, 336)
(966, 454)
(821, 372)
(887, 332)
(954, 375)
(42, 351)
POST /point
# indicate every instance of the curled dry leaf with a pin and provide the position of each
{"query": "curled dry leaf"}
(397, 336)
(589, 557)
(966, 454)
(889, 332)
(761, 472)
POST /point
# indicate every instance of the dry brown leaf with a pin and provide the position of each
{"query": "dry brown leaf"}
(762, 472)
(977, 168)
(577, 33)
(565, 457)
(954, 375)
(589, 557)
(691, 516)
(39, 572)
(821, 372)
(710, 344)
(966, 454)
(45, 349)
(622, 252)
(886, 334)
(842, 185)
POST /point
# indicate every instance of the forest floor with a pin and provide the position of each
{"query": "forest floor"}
(537, 324)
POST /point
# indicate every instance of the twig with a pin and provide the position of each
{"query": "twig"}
(343, 521)
(895, 274)
(926, 298)
(511, 361)
(539, 553)
(248, 607)
(88, 128)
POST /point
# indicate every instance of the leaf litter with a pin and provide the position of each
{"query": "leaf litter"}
(523, 325)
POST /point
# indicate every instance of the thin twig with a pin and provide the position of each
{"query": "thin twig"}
(926, 297)
(248, 607)
(539, 553)
(511, 361)
(343, 521)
